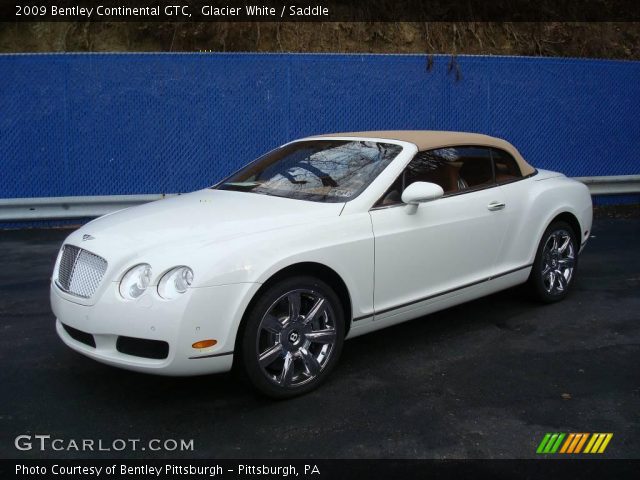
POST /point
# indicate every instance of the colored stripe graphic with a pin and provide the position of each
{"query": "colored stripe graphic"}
(598, 443)
(567, 443)
(590, 444)
(581, 443)
(550, 443)
(573, 443)
(543, 443)
(606, 442)
(556, 445)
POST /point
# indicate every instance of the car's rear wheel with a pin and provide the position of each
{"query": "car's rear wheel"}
(292, 337)
(554, 268)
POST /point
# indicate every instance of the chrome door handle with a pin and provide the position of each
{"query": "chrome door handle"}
(493, 206)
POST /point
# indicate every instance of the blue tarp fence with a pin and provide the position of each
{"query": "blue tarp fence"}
(103, 124)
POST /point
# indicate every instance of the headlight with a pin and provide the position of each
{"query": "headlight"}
(135, 281)
(175, 282)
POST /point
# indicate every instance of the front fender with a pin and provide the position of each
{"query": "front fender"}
(343, 244)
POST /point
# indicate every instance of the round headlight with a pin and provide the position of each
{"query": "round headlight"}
(175, 282)
(135, 281)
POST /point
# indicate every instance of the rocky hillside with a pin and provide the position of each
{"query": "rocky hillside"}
(596, 40)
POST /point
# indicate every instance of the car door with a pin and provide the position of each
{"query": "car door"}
(515, 190)
(426, 251)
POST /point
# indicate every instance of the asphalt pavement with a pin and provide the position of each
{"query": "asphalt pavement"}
(486, 379)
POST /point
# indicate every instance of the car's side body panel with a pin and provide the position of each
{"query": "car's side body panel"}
(532, 204)
(438, 302)
(424, 250)
(343, 244)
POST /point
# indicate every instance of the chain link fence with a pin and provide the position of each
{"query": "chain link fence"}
(125, 124)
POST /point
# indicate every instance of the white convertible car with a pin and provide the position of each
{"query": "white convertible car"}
(323, 239)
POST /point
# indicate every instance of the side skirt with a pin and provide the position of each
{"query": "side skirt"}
(440, 301)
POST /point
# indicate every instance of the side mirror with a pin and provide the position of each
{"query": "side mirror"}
(420, 192)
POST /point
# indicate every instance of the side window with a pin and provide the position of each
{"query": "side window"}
(475, 169)
(455, 169)
(505, 166)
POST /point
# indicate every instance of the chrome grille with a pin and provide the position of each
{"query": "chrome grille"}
(80, 271)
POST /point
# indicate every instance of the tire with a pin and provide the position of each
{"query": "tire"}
(555, 265)
(281, 357)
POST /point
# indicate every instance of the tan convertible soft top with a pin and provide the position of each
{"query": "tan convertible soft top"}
(429, 139)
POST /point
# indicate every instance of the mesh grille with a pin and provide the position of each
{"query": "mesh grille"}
(80, 271)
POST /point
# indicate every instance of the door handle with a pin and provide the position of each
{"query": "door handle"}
(493, 206)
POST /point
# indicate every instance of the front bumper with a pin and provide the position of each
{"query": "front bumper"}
(100, 330)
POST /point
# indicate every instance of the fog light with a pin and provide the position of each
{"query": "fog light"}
(204, 344)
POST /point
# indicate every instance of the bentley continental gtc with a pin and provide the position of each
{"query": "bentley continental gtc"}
(318, 241)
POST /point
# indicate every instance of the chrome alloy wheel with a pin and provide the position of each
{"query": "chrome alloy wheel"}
(296, 338)
(558, 262)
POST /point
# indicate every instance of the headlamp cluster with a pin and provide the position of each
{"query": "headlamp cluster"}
(173, 283)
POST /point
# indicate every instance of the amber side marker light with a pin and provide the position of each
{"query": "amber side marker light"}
(204, 344)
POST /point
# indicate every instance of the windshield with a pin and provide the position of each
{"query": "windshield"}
(317, 170)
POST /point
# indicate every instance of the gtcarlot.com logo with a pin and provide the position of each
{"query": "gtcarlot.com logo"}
(47, 443)
(574, 443)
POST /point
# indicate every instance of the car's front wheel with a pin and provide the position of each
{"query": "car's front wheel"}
(555, 265)
(292, 337)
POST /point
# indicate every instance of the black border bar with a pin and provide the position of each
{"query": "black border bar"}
(318, 11)
(544, 468)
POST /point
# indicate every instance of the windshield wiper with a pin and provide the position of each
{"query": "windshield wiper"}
(242, 186)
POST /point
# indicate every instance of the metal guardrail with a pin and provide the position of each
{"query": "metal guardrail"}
(620, 185)
(52, 208)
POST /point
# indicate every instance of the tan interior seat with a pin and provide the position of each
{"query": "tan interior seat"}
(445, 175)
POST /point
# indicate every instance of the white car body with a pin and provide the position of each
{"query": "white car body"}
(396, 264)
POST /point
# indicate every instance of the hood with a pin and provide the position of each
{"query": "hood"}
(199, 218)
